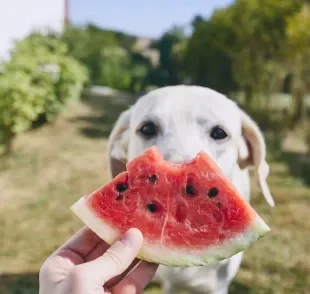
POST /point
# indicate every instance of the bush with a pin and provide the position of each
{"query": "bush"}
(46, 58)
(68, 83)
(86, 44)
(115, 68)
(111, 57)
(20, 103)
(39, 79)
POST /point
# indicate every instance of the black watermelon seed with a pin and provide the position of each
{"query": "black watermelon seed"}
(213, 192)
(121, 187)
(119, 197)
(152, 179)
(190, 190)
(152, 207)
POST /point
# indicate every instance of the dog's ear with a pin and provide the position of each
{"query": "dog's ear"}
(255, 153)
(118, 144)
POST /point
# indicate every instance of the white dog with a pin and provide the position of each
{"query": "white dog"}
(181, 121)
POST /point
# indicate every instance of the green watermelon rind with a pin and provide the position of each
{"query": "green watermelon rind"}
(170, 257)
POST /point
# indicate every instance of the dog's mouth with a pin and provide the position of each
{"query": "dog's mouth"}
(183, 160)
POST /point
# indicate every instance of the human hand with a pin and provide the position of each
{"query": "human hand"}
(86, 264)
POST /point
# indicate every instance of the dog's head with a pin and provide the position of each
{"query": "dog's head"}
(183, 120)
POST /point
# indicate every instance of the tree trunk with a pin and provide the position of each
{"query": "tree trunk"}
(298, 114)
(8, 147)
(8, 140)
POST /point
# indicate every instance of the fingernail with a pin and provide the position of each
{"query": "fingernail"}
(132, 238)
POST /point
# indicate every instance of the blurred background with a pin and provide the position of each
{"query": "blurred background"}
(69, 67)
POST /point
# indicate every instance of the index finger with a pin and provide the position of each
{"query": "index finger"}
(81, 243)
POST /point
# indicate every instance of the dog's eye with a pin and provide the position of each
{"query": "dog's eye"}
(218, 133)
(148, 130)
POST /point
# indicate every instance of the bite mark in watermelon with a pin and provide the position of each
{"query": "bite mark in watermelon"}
(189, 214)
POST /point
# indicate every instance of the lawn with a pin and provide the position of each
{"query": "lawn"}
(56, 164)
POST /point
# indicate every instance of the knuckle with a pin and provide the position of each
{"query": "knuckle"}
(114, 256)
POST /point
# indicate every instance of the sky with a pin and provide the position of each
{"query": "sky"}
(146, 18)
(20, 17)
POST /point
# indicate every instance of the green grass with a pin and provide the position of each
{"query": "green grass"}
(56, 164)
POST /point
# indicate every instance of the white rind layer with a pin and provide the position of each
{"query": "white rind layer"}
(174, 257)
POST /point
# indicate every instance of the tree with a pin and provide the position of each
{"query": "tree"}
(115, 68)
(38, 79)
(168, 70)
(241, 47)
(46, 59)
(208, 57)
(260, 58)
(197, 20)
(109, 56)
(20, 103)
(141, 66)
(86, 45)
(298, 42)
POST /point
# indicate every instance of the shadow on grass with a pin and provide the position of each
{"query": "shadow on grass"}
(239, 288)
(275, 125)
(106, 111)
(235, 288)
(298, 164)
(27, 283)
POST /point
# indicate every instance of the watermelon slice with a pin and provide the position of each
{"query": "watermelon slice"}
(190, 214)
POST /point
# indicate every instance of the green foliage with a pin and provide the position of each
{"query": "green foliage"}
(109, 56)
(39, 79)
(242, 47)
(170, 64)
(68, 83)
(115, 70)
(86, 45)
(20, 103)
(52, 68)
(123, 70)
(140, 68)
(297, 50)
(259, 60)
(208, 56)
(297, 30)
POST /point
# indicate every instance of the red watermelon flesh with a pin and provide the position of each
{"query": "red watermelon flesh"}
(189, 214)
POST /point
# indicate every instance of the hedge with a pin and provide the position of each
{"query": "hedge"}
(39, 79)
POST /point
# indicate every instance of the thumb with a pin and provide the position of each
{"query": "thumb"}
(116, 259)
